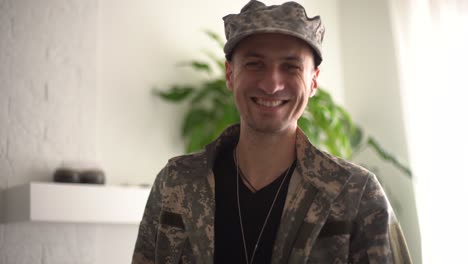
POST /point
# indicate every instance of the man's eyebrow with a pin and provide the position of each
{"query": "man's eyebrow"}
(253, 54)
(286, 58)
(294, 58)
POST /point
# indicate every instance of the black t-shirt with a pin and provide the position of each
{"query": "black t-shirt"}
(229, 247)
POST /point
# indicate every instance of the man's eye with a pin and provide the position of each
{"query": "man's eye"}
(292, 67)
(253, 64)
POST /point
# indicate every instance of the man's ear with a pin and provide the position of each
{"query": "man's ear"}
(314, 84)
(229, 68)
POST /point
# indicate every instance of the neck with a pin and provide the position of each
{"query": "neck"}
(263, 157)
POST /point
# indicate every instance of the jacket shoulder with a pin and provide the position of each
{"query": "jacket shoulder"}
(184, 168)
(194, 155)
(353, 167)
(356, 171)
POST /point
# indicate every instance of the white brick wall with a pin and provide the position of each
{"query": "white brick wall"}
(52, 243)
(47, 116)
(2, 244)
(48, 98)
(48, 243)
(48, 101)
(48, 86)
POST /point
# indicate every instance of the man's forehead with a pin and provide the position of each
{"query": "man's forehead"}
(287, 56)
(273, 46)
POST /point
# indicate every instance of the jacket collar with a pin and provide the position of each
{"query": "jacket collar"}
(318, 168)
(201, 196)
(316, 182)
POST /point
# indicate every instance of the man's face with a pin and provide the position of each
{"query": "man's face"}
(272, 77)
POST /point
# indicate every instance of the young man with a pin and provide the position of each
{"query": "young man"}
(261, 193)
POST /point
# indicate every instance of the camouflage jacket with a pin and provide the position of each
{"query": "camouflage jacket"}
(335, 212)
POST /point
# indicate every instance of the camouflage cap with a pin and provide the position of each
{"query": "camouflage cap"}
(289, 18)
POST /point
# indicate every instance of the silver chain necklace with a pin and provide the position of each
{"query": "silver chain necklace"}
(267, 217)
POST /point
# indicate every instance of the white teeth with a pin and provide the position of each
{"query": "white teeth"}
(268, 103)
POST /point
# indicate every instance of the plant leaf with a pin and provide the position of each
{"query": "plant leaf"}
(356, 138)
(195, 141)
(198, 66)
(201, 94)
(219, 62)
(195, 118)
(383, 154)
(214, 36)
(175, 94)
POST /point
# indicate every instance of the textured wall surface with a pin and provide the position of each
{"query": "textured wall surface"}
(75, 81)
(48, 87)
(43, 243)
(47, 116)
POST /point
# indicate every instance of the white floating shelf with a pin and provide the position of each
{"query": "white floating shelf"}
(73, 203)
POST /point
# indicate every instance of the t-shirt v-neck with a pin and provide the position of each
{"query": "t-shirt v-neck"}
(229, 247)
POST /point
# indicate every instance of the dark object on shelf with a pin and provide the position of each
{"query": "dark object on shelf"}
(66, 175)
(93, 176)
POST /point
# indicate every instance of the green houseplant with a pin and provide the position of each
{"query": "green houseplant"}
(211, 109)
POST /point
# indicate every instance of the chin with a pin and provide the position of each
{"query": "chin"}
(269, 128)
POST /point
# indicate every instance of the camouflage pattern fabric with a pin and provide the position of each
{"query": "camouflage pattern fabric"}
(289, 18)
(335, 212)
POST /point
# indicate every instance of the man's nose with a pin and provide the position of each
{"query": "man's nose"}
(272, 81)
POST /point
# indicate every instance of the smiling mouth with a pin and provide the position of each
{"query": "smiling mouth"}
(269, 103)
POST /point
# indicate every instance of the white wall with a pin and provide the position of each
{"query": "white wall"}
(48, 90)
(372, 95)
(47, 102)
(433, 87)
(75, 86)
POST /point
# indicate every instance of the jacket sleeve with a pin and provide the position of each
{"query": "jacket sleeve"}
(144, 252)
(377, 236)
